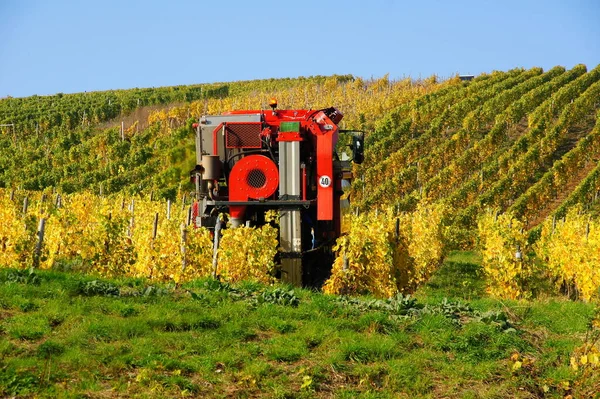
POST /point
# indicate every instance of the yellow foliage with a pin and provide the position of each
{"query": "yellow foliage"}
(356, 99)
(586, 356)
(426, 244)
(383, 254)
(247, 253)
(14, 239)
(365, 258)
(104, 236)
(167, 256)
(571, 251)
(502, 241)
(92, 230)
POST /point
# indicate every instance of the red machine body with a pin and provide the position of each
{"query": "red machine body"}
(322, 132)
(253, 160)
(254, 177)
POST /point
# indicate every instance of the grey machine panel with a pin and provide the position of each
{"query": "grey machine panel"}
(290, 232)
(209, 123)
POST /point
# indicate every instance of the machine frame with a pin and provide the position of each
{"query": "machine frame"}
(250, 161)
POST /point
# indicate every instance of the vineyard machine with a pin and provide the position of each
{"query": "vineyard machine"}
(252, 161)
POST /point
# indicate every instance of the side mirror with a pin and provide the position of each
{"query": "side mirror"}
(358, 147)
(353, 140)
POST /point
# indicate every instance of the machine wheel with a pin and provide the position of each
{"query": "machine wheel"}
(316, 266)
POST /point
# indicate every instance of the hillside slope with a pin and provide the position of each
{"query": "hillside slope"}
(74, 142)
(520, 141)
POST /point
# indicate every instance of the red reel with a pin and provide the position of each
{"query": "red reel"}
(252, 177)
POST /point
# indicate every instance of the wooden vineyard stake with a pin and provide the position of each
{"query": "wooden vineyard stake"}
(40, 241)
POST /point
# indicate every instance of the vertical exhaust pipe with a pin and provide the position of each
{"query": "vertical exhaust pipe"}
(290, 229)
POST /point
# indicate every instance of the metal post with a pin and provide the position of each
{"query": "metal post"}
(183, 246)
(106, 240)
(587, 230)
(363, 186)
(25, 204)
(155, 226)
(169, 209)
(216, 246)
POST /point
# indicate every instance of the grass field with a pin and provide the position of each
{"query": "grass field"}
(65, 335)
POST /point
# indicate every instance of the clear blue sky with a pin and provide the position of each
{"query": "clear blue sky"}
(72, 46)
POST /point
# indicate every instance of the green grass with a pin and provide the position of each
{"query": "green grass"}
(68, 335)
